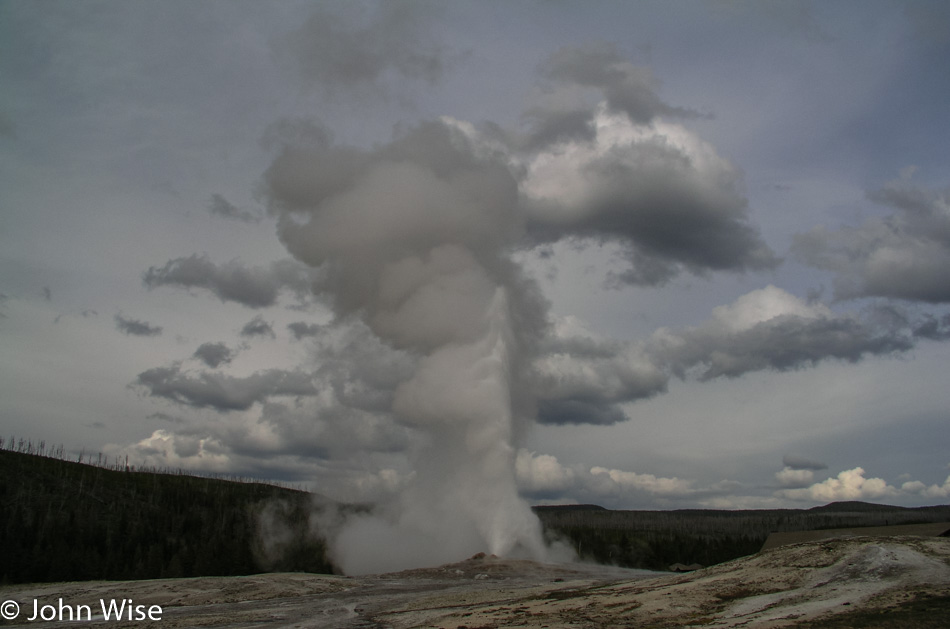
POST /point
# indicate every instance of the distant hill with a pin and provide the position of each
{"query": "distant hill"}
(658, 539)
(852, 506)
(63, 521)
(567, 508)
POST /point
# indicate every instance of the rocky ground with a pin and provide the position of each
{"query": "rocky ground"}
(856, 582)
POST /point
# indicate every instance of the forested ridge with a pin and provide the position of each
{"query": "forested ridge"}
(657, 539)
(64, 520)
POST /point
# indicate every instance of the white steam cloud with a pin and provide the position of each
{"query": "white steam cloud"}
(413, 239)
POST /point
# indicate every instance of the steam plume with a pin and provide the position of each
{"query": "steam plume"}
(413, 239)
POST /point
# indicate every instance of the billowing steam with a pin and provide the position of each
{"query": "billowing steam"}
(413, 239)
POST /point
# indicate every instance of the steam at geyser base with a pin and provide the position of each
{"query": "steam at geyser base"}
(413, 240)
(463, 497)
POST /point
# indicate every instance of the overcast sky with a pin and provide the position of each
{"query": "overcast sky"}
(721, 230)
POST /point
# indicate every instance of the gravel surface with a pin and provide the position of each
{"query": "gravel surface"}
(839, 583)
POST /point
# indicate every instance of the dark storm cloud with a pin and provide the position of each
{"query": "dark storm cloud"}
(219, 206)
(344, 47)
(629, 177)
(628, 89)
(650, 196)
(782, 343)
(257, 327)
(254, 287)
(581, 380)
(578, 379)
(595, 412)
(795, 462)
(214, 354)
(134, 327)
(933, 328)
(904, 255)
(222, 392)
(301, 329)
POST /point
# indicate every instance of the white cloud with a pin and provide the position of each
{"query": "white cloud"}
(933, 491)
(539, 473)
(765, 304)
(848, 485)
(631, 481)
(789, 477)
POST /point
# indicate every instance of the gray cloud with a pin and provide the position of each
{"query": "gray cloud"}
(904, 255)
(581, 379)
(797, 462)
(628, 88)
(254, 287)
(932, 327)
(347, 48)
(301, 329)
(786, 342)
(222, 392)
(219, 206)
(134, 327)
(329, 432)
(165, 417)
(47, 293)
(660, 192)
(214, 354)
(547, 125)
(575, 411)
(258, 327)
(361, 370)
(771, 329)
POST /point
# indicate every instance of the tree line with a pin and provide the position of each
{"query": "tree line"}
(65, 521)
(654, 540)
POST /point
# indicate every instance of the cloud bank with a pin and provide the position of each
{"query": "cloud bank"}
(903, 255)
(254, 287)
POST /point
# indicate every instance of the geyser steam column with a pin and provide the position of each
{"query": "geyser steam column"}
(413, 239)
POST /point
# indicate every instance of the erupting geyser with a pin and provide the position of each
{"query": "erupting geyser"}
(413, 238)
